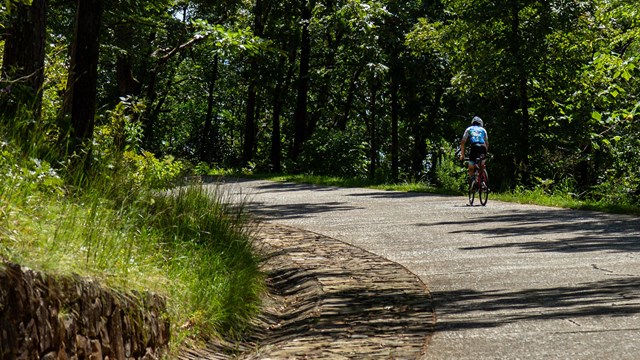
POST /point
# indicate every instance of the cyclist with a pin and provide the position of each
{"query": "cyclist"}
(479, 139)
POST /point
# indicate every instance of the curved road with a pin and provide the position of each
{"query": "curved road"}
(508, 281)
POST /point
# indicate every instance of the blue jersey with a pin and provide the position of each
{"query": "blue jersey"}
(476, 134)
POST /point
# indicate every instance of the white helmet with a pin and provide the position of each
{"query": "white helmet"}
(477, 120)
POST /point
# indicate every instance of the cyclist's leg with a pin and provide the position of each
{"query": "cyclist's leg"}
(483, 162)
(483, 167)
(473, 156)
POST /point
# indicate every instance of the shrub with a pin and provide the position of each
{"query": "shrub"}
(450, 176)
(332, 152)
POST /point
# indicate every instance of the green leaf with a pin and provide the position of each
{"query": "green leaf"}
(596, 116)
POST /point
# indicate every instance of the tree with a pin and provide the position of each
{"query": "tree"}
(260, 13)
(300, 114)
(23, 58)
(83, 74)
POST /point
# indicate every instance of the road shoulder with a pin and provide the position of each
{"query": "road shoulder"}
(329, 299)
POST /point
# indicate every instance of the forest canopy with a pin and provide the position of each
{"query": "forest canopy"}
(376, 89)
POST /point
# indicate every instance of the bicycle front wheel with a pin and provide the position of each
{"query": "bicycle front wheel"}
(483, 193)
(483, 189)
(472, 192)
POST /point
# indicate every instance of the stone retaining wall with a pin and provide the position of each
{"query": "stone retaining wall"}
(46, 317)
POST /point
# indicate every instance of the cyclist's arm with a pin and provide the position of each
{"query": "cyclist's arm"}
(486, 140)
(462, 142)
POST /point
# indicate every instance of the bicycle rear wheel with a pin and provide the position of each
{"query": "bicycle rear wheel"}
(472, 191)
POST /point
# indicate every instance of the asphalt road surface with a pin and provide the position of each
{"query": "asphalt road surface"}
(508, 281)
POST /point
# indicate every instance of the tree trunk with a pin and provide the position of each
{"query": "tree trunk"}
(522, 158)
(300, 114)
(278, 104)
(417, 126)
(155, 104)
(250, 121)
(84, 69)
(344, 119)
(127, 84)
(210, 135)
(373, 141)
(395, 111)
(23, 58)
(250, 128)
(276, 143)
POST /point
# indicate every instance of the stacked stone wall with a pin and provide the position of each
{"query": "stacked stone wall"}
(54, 317)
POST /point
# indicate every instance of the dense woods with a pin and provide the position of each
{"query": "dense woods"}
(365, 88)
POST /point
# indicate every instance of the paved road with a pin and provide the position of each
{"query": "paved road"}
(508, 281)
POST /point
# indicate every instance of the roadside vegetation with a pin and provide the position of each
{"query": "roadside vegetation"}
(537, 195)
(127, 224)
(451, 180)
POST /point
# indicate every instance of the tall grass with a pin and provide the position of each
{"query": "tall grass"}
(114, 226)
(218, 269)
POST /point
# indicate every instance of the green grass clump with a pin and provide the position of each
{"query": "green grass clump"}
(217, 268)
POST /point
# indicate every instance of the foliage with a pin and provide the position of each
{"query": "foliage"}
(367, 86)
(555, 81)
(450, 176)
(117, 149)
(148, 171)
(22, 174)
(333, 153)
(186, 244)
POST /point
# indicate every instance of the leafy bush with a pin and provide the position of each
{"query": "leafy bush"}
(450, 176)
(117, 151)
(23, 174)
(148, 171)
(332, 152)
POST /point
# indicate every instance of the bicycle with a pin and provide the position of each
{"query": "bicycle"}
(478, 184)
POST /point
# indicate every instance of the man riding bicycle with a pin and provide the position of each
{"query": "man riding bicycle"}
(479, 139)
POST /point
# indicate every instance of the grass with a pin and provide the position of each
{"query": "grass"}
(332, 181)
(538, 196)
(186, 244)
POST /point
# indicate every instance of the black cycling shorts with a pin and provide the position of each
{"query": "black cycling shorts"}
(477, 150)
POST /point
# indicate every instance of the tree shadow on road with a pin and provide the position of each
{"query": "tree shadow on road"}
(573, 231)
(349, 313)
(612, 298)
(331, 300)
(400, 195)
(268, 212)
